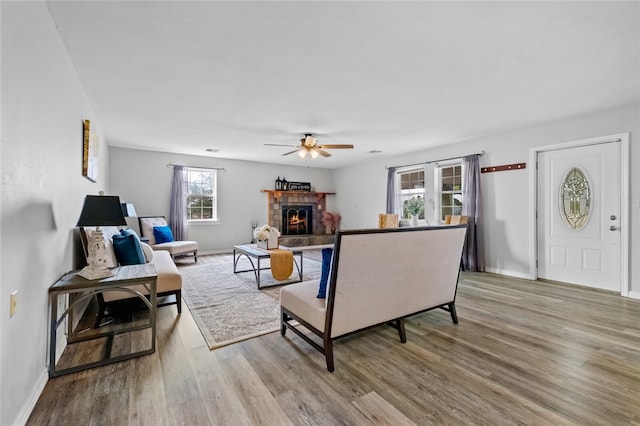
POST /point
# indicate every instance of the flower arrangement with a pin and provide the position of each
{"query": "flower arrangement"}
(331, 221)
(262, 233)
(414, 207)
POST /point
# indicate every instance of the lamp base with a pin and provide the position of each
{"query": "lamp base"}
(95, 272)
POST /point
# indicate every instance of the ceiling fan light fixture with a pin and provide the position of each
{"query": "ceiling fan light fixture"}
(308, 140)
(314, 153)
(302, 153)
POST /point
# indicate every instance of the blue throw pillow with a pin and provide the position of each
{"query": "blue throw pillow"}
(327, 254)
(163, 234)
(127, 248)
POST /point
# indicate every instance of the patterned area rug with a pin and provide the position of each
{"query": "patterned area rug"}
(228, 307)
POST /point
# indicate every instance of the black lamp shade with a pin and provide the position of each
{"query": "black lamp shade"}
(101, 210)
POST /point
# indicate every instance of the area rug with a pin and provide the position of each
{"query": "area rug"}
(228, 307)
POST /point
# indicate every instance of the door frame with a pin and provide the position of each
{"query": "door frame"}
(623, 139)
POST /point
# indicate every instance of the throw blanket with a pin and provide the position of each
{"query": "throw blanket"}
(281, 263)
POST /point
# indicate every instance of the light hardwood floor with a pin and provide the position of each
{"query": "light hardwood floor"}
(523, 353)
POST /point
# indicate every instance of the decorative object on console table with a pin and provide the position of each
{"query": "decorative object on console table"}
(413, 209)
(99, 210)
(90, 150)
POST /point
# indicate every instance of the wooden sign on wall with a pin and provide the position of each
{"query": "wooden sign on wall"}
(516, 166)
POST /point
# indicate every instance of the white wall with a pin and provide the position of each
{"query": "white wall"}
(361, 190)
(43, 106)
(143, 178)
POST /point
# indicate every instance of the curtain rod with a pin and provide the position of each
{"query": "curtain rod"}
(197, 167)
(481, 153)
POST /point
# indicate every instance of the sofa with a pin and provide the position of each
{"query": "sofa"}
(168, 284)
(376, 276)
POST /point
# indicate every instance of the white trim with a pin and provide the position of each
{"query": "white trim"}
(506, 272)
(623, 139)
(634, 294)
(29, 405)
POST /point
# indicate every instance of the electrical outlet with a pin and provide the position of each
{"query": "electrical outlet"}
(13, 301)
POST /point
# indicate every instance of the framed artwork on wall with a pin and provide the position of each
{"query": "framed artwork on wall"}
(90, 149)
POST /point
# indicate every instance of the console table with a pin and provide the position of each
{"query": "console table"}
(138, 280)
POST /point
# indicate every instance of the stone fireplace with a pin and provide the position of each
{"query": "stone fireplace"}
(298, 215)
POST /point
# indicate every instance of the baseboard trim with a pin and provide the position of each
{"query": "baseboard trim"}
(634, 294)
(29, 405)
(508, 273)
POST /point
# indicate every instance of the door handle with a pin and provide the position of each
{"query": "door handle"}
(613, 228)
(612, 217)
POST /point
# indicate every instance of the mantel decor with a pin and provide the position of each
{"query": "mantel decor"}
(284, 185)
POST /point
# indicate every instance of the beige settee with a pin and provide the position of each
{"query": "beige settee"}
(169, 281)
(377, 276)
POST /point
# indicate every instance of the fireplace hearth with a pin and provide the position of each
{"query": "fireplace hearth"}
(297, 220)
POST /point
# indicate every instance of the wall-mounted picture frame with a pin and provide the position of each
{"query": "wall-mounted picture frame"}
(90, 151)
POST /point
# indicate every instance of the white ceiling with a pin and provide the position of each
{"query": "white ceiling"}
(397, 77)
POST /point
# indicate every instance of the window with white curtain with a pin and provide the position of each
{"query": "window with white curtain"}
(202, 194)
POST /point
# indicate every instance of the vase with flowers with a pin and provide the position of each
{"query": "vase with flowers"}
(266, 237)
(413, 209)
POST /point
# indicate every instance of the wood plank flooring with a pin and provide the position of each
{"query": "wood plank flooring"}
(523, 353)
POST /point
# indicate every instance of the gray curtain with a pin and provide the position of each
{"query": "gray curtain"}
(391, 190)
(178, 208)
(473, 253)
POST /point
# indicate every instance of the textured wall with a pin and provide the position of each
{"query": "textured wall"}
(43, 106)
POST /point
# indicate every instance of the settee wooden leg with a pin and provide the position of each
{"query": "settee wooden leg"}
(452, 311)
(195, 256)
(179, 301)
(328, 353)
(401, 331)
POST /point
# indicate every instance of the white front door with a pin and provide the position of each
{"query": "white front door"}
(579, 207)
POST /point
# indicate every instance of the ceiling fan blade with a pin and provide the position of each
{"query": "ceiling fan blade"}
(339, 146)
(277, 144)
(290, 152)
(323, 153)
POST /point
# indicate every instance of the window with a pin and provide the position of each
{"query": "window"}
(450, 189)
(411, 185)
(201, 194)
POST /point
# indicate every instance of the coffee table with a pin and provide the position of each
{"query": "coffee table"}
(252, 252)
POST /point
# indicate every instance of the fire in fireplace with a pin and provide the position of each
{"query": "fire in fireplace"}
(297, 220)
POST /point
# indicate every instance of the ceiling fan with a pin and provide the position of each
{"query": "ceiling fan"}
(308, 145)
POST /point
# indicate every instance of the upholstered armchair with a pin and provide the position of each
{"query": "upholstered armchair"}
(158, 233)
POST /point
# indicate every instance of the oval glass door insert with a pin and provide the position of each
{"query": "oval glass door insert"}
(575, 199)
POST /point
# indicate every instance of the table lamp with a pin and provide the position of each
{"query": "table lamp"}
(99, 210)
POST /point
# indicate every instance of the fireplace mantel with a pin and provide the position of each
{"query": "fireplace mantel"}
(277, 193)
